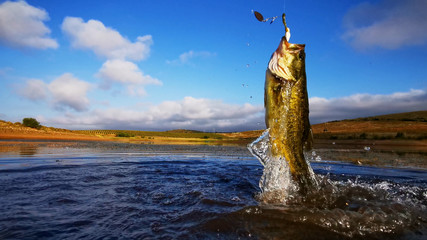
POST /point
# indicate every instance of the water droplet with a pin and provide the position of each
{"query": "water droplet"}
(236, 199)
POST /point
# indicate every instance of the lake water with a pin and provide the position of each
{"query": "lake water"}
(90, 190)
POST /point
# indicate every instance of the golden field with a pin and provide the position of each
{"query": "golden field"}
(403, 128)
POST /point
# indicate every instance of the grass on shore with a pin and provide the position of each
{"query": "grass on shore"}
(149, 134)
(401, 126)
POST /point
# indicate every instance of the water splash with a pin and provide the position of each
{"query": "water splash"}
(362, 208)
(351, 208)
(276, 183)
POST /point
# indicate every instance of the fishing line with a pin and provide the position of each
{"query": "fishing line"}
(284, 6)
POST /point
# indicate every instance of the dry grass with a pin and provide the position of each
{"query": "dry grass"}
(10, 130)
(370, 126)
(243, 135)
(402, 126)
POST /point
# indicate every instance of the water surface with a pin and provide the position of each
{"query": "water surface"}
(68, 190)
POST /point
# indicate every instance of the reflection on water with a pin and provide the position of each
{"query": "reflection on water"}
(21, 148)
(376, 153)
(108, 190)
(27, 150)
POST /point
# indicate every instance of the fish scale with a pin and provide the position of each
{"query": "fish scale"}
(287, 110)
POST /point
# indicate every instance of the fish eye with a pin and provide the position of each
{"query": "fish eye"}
(301, 56)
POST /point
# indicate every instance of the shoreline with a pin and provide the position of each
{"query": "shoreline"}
(50, 137)
(388, 144)
(130, 140)
(390, 153)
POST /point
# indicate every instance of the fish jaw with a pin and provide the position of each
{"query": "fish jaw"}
(288, 60)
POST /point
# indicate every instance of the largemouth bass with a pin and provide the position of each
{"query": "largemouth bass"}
(286, 104)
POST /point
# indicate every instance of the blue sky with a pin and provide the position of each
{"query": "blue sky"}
(161, 65)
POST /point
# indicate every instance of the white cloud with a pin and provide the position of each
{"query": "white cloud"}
(390, 24)
(21, 25)
(185, 58)
(68, 91)
(188, 113)
(34, 89)
(105, 41)
(364, 105)
(216, 115)
(127, 73)
(199, 109)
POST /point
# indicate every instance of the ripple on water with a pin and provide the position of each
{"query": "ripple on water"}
(203, 197)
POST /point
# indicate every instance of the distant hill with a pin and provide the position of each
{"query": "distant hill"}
(9, 130)
(180, 133)
(183, 131)
(409, 125)
(248, 135)
(419, 116)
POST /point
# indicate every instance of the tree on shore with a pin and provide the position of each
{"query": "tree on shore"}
(31, 122)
